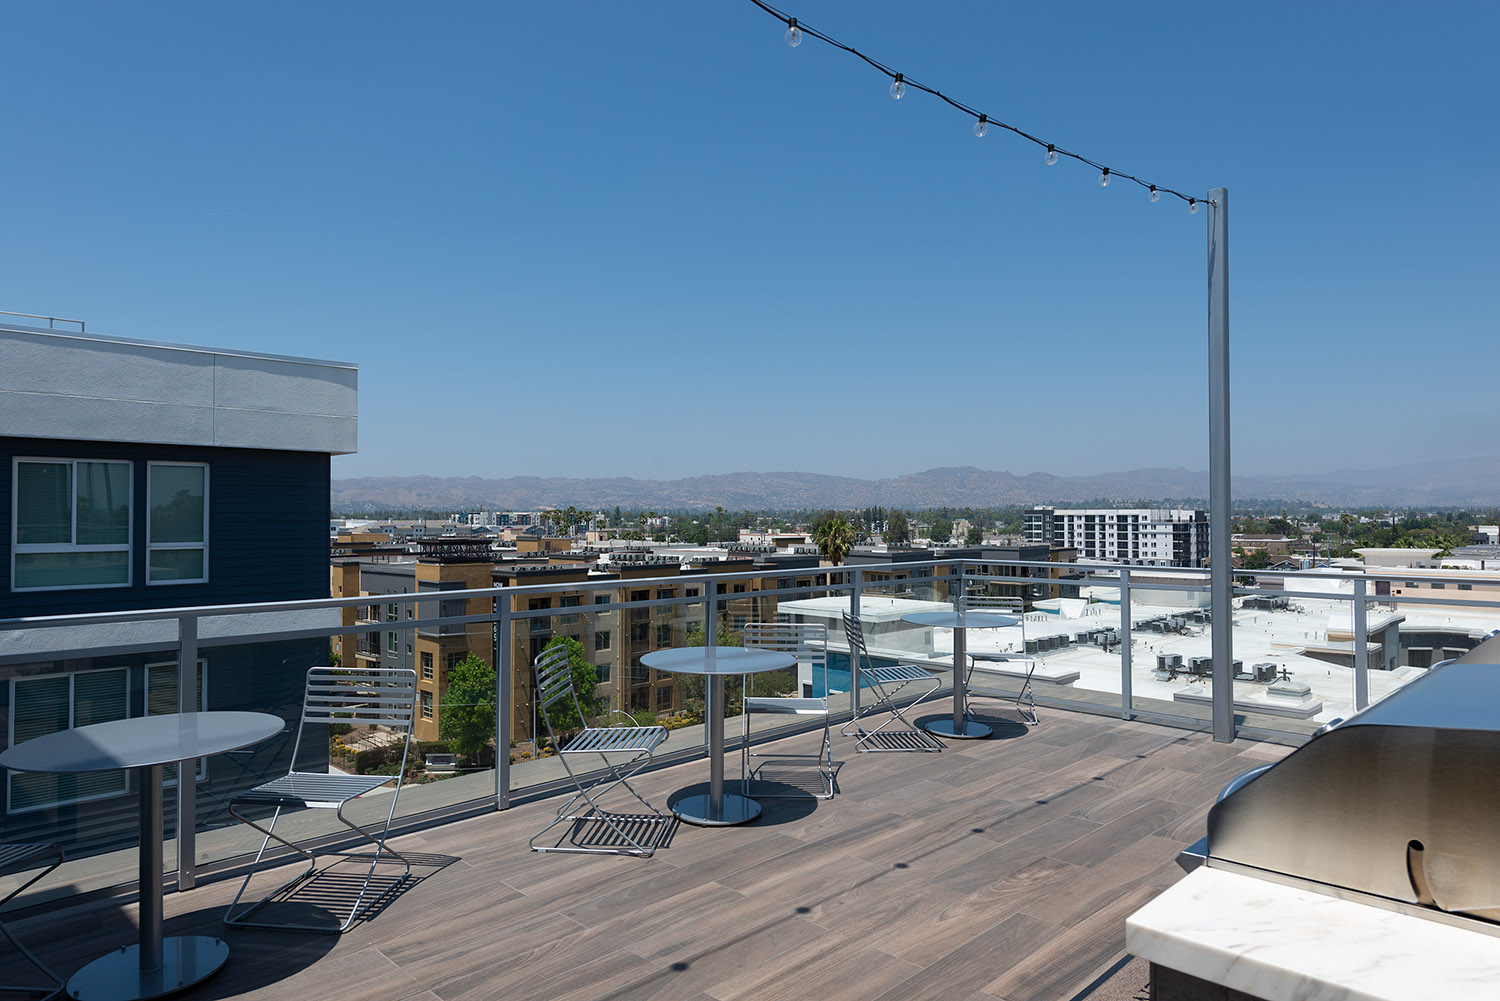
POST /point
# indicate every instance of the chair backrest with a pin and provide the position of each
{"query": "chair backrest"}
(554, 682)
(554, 676)
(807, 641)
(854, 632)
(993, 603)
(364, 695)
(383, 695)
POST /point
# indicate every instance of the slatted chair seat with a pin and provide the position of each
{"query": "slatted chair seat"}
(16, 859)
(315, 790)
(383, 696)
(617, 740)
(888, 684)
(900, 674)
(596, 830)
(808, 642)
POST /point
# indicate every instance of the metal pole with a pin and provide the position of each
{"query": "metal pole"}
(1221, 582)
(503, 706)
(854, 684)
(187, 771)
(149, 779)
(1361, 648)
(710, 638)
(1127, 699)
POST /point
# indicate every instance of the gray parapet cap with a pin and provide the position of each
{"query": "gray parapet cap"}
(93, 387)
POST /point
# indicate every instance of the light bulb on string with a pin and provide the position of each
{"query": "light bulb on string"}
(898, 87)
(1155, 195)
(1192, 206)
(1051, 157)
(1104, 178)
(982, 126)
(793, 34)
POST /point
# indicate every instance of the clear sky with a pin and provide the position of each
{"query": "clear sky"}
(651, 240)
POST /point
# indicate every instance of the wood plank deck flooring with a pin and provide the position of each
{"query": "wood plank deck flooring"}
(998, 870)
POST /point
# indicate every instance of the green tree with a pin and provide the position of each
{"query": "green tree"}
(562, 714)
(942, 530)
(467, 719)
(897, 530)
(835, 537)
(975, 536)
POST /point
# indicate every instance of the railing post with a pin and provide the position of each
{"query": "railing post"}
(1361, 648)
(710, 638)
(187, 771)
(854, 594)
(503, 708)
(1127, 700)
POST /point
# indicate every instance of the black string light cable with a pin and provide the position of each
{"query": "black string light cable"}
(795, 30)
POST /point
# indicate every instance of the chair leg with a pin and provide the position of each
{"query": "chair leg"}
(41, 993)
(640, 848)
(1028, 711)
(241, 919)
(885, 702)
(824, 758)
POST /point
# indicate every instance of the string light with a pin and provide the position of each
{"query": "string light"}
(899, 83)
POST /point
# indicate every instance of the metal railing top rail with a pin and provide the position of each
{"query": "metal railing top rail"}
(50, 319)
(1093, 574)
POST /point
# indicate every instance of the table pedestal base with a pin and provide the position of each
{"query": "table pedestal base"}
(118, 976)
(699, 810)
(944, 728)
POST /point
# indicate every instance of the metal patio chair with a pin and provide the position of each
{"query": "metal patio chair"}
(637, 834)
(384, 696)
(1010, 606)
(888, 683)
(16, 859)
(808, 642)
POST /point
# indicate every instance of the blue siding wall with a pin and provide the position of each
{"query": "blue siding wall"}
(268, 528)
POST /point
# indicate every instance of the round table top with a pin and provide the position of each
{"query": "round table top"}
(961, 620)
(141, 741)
(717, 660)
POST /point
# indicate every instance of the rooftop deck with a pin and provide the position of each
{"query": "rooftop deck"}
(998, 869)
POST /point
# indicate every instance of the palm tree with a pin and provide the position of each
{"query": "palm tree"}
(835, 537)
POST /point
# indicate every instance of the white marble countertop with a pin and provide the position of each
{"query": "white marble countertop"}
(1286, 944)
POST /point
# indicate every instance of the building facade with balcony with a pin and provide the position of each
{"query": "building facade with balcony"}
(140, 475)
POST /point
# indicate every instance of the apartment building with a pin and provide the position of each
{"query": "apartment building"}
(141, 475)
(1164, 537)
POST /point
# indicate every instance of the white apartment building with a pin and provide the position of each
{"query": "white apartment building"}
(1156, 537)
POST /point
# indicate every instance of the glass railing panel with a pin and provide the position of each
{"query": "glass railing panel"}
(1171, 628)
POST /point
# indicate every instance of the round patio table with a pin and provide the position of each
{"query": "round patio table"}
(717, 808)
(154, 966)
(960, 726)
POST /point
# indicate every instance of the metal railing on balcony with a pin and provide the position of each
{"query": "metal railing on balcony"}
(1129, 641)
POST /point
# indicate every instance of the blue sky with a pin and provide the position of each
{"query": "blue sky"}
(651, 240)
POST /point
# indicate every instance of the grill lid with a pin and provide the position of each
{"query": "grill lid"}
(1401, 802)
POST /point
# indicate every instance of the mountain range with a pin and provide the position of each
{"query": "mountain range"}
(1438, 483)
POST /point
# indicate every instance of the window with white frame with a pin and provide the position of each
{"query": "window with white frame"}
(176, 523)
(70, 526)
(162, 685)
(46, 703)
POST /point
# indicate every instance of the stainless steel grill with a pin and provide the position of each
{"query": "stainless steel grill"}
(1399, 805)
